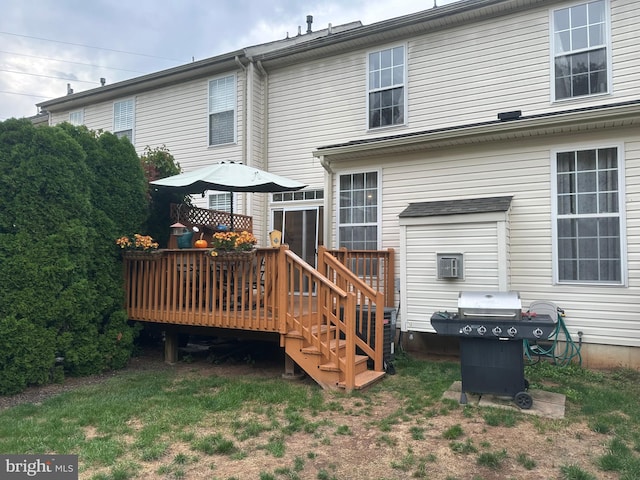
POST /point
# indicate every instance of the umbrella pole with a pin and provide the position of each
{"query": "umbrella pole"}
(231, 211)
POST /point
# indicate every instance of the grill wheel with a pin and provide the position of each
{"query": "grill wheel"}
(523, 400)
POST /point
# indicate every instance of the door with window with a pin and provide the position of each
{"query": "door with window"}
(301, 230)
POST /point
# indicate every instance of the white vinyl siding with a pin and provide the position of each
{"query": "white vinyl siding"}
(222, 110)
(588, 215)
(580, 47)
(606, 314)
(386, 98)
(123, 119)
(424, 238)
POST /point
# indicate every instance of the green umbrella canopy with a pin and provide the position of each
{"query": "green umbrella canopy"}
(227, 177)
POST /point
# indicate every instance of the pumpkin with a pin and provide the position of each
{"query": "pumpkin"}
(201, 243)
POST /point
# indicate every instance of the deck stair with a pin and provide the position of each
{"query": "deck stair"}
(329, 374)
(322, 315)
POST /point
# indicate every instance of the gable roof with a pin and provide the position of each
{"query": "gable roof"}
(457, 207)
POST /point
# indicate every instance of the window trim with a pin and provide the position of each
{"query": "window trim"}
(133, 117)
(80, 112)
(624, 274)
(405, 88)
(378, 223)
(216, 193)
(552, 55)
(235, 111)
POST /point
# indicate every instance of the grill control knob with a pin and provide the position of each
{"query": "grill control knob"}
(497, 331)
(467, 329)
(513, 331)
(538, 332)
(482, 330)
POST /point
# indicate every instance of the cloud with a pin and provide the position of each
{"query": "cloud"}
(80, 41)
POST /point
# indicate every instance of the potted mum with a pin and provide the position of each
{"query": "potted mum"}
(137, 246)
(233, 245)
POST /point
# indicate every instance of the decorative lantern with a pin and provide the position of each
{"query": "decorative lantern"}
(178, 229)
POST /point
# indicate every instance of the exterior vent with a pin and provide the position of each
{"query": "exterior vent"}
(450, 266)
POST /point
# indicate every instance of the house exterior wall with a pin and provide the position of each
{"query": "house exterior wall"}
(461, 75)
(605, 314)
(421, 290)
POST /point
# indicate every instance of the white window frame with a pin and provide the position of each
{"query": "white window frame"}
(606, 45)
(371, 90)
(620, 214)
(76, 117)
(121, 126)
(378, 221)
(223, 106)
(227, 200)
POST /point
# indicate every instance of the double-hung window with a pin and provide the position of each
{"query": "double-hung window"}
(588, 216)
(222, 110)
(581, 50)
(76, 117)
(358, 211)
(123, 119)
(220, 201)
(386, 87)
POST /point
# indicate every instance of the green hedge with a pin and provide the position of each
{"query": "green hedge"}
(66, 194)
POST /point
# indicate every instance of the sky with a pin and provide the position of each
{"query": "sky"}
(47, 44)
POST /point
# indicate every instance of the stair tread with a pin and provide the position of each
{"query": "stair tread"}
(364, 379)
(312, 349)
(314, 331)
(331, 366)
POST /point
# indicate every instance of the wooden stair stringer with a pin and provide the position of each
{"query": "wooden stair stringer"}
(323, 370)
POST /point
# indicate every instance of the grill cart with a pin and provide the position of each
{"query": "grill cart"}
(491, 327)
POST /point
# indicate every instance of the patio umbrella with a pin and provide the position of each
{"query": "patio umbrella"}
(228, 177)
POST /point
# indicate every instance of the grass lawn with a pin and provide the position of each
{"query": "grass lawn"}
(241, 420)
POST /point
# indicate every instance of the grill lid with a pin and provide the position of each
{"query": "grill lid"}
(496, 305)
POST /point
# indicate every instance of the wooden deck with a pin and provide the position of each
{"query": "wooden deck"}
(315, 312)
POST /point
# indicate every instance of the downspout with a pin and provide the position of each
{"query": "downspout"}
(246, 201)
(328, 202)
(265, 134)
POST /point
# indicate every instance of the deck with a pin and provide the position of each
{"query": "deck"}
(315, 312)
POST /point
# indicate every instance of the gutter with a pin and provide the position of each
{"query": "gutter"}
(576, 117)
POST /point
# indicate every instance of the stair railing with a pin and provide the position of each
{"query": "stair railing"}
(368, 326)
(320, 311)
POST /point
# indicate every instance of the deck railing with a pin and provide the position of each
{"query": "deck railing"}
(190, 287)
(374, 267)
(269, 290)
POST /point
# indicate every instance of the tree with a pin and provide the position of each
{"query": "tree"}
(66, 194)
(159, 163)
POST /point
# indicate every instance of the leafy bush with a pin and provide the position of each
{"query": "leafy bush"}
(66, 194)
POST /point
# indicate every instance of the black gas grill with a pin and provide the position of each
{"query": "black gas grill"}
(491, 327)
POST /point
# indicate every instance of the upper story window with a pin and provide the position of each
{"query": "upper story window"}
(76, 118)
(386, 87)
(588, 219)
(123, 119)
(222, 110)
(581, 50)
